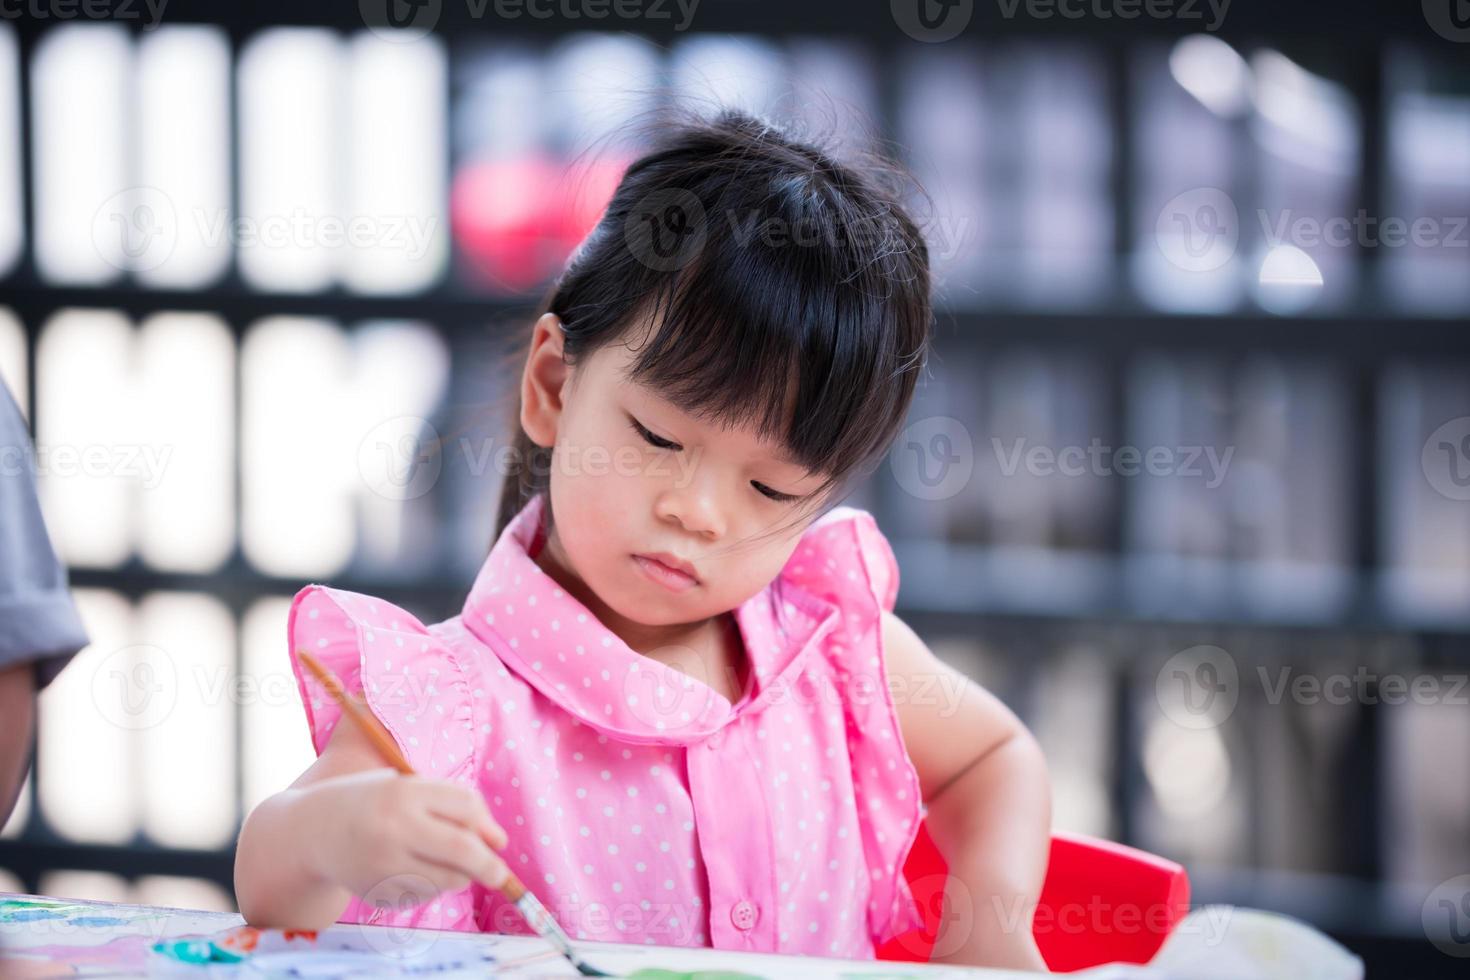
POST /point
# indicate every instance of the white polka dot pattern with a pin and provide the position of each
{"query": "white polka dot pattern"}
(640, 804)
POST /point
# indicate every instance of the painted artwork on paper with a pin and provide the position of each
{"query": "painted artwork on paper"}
(55, 938)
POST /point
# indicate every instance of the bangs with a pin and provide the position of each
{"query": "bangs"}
(780, 341)
(794, 302)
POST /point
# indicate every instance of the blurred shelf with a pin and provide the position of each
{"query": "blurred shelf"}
(949, 587)
(29, 857)
(1319, 21)
(1365, 337)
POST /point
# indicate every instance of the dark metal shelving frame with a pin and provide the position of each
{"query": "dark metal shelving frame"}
(1360, 339)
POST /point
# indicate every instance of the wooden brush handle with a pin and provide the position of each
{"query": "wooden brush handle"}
(358, 712)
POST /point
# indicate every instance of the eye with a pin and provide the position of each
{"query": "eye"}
(775, 495)
(650, 438)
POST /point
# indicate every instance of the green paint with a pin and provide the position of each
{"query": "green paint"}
(196, 951)
(21, 910)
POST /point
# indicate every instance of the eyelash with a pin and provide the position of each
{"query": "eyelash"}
(661, 443)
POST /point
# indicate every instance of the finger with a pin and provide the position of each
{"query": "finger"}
(438, 877)
(452, 845)
(466, 806)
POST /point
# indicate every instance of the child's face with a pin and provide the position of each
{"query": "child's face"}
(712, 498)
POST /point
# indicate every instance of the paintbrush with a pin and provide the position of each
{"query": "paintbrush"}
(512, 888)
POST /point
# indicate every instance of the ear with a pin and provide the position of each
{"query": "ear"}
(543, 381)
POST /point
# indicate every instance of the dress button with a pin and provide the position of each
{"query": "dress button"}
(714, 741)
(743, 913)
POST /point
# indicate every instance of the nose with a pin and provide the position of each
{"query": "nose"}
(695, 508)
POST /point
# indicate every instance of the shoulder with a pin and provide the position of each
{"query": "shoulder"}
(409, 674)
(843, 556)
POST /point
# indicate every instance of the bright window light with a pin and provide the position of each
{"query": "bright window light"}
(187, 510)
(19, 815)
(187, 771)
(276, 742)
(1213, 72)
(95, 886)
(289, 104)
(174, 892)
(1188, 769)
(604, 82)
(86, 219)
(87, 725)
(298, 450)
(10, 202)
(13, 358)
(397, 199)
(729, 70)
(402, 374)
(88, 460)
(183, 148)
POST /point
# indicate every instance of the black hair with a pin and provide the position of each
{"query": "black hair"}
(780, 289)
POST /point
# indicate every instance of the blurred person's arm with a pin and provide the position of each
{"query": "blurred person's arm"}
(985, 784)
(39, 626)
(18, 708)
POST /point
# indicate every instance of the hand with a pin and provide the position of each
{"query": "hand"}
(379, 831)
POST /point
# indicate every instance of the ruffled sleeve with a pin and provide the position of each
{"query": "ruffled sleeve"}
(416, 685)
(844, 557)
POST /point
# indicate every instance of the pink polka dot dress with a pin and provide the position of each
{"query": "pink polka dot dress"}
(640, 804)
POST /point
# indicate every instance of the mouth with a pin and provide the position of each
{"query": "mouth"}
(667, 570)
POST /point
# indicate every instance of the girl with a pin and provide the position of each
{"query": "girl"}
(677, 701)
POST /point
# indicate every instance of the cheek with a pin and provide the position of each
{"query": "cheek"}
(591, 489)
(744, 573)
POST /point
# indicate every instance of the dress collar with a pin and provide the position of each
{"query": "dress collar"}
(556, 644)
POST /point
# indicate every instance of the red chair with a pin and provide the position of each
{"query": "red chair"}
(1100, 903)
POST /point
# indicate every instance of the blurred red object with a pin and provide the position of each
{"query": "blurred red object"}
(516, 221)
(1101, 903)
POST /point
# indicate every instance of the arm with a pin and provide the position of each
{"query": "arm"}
(984, 780)
(18, 707)
(350, 826)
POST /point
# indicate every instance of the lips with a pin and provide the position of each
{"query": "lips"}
(673, 562)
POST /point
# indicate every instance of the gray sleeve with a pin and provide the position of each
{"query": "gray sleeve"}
(38, 622)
